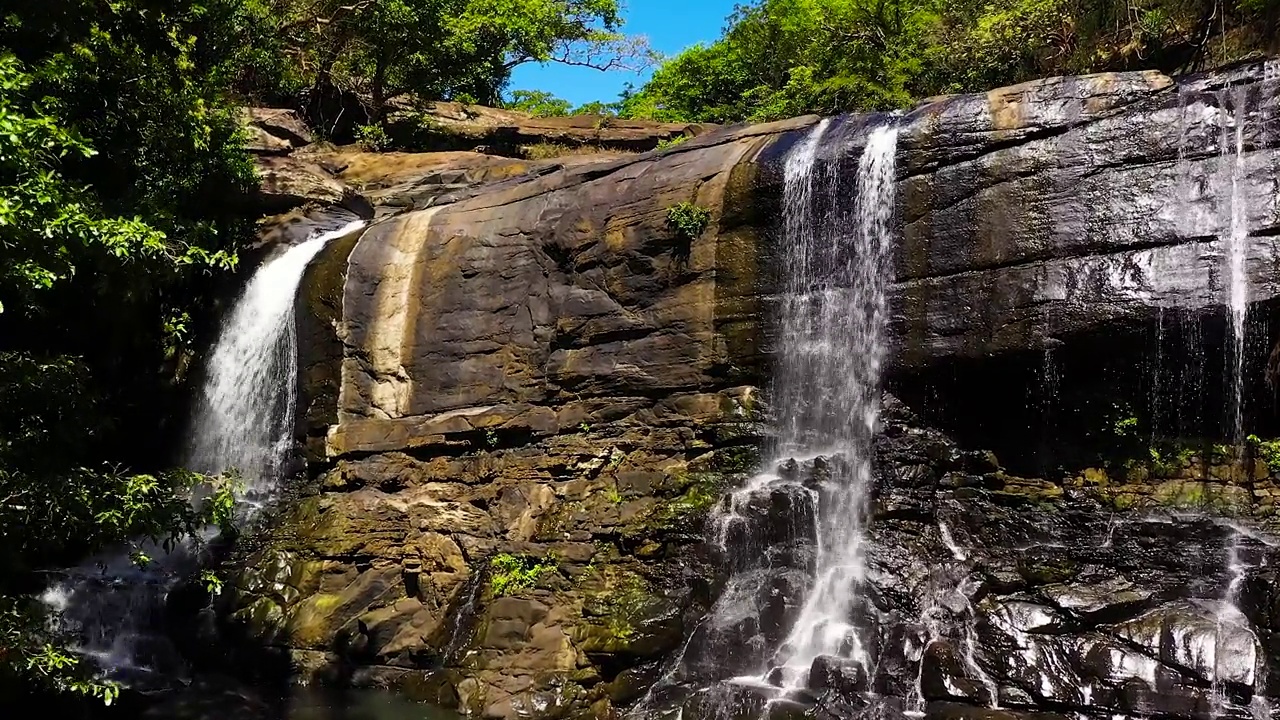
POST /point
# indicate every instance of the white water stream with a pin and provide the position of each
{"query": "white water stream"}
(243, 422)
(827, 380)
(1236, 241)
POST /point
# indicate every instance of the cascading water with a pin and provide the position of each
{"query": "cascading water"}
(827, 384)
(1236, 242)
(799, 523)
(243, 421)
(244, 417)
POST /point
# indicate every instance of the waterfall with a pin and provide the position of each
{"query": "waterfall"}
(799, 522)
(827, 380)
(244, 416)
(243, 420)
(1236, 244)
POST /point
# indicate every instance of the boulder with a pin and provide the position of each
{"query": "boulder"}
(286, 183)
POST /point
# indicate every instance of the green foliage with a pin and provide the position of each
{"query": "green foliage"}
(1160, 465)
(1267, 451)
(1126, 426)
(779, 58)
(687, 220)
(372, 137)
(212, 583)
(538, 103)
(461, 50)
(123, 189)
(30, 653)
(509, 574)
(606, 111)
(490, 437)
(672, 142)
(612, 495)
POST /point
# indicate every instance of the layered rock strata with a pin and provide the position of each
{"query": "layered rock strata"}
(527, 385)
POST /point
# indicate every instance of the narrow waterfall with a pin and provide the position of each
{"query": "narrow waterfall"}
(827, 381)
(1236, 249)
(244, 418)
(243, 421)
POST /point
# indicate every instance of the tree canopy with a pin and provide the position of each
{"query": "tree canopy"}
(780, 58)
(388, 50)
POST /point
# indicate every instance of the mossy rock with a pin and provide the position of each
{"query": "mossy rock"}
(733, 460)
(262, 619)
(310, 621)
(1231, 500)
(1181, 494)
(1125, 501)
(623, 614)
(1046, 571)
(1095, 476)
(701, 492)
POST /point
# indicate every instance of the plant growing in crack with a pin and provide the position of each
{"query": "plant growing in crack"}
(509, 574)
(687, 220)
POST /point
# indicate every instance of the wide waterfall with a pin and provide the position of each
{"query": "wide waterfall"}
(243, 423)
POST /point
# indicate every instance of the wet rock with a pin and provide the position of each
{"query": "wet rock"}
(846, 678)
(524, 367)
(944, 675)
(957, 711)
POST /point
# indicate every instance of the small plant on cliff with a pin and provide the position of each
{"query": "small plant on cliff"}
(671, 142)
(372, 137)
(1126, 426)
(687, 220)
(490, 437)
(212, 583)
(510, 574)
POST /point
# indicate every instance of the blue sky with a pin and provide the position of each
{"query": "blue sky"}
(670, 25)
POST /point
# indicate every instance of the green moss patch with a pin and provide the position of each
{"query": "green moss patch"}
(510, 574)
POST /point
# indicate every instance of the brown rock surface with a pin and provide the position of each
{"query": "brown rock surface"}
(535, 370)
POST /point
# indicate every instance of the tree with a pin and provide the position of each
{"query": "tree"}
(122, 187)
(787, 57)
(538, 103)
(385, 50)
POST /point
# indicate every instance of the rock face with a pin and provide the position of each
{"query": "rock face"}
(526, 387)
(985, 590)
(1043, 210)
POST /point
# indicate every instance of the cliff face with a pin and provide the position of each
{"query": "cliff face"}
(526, 385)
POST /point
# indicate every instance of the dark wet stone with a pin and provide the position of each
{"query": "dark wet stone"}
(845, 678)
